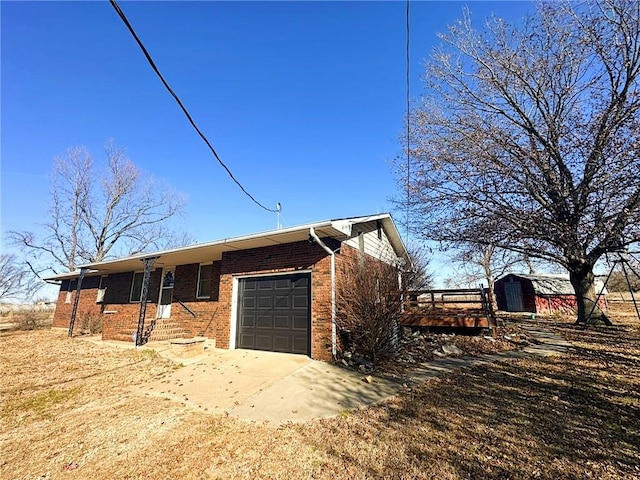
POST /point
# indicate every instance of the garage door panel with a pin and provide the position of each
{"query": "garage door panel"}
(282, 322)
(265, 302)
(248, 321)
(299, 343)
(282, 343)
(248, 302)
(300, 322)
(264, 342)
(246, 341)
(300, 301)
(264, 322)
(275, 314)
(283, 301)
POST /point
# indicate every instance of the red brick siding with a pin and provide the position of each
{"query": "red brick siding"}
(213, 317)
(277, 259)
(207, 310)
(86, 304)
(120, 316)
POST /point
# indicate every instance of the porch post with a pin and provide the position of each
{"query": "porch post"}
(146, 278)
(74, 310)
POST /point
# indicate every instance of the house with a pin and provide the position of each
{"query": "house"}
(267, 291)
(543, 294)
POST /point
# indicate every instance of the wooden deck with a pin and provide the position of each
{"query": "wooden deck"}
(464, 308)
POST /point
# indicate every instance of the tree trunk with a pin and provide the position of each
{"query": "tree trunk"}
(582, 280)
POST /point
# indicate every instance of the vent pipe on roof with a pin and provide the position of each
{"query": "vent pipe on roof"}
(316, 239)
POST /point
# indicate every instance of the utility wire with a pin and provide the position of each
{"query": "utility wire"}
(177, 99)
(408, 87)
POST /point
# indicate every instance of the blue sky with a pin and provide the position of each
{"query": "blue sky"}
(304, 101)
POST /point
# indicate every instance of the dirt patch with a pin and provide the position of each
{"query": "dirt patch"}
(67, 412)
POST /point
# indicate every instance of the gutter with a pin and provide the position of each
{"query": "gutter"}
(313, 237)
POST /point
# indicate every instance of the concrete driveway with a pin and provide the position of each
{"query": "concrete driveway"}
(279, 387)
(267, 386)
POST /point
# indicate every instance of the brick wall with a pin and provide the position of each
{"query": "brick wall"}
(207, 321)
(86, 304)
(212, 317)
(278, 259)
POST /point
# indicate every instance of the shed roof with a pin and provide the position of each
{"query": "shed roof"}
(340, 229)
(555, 284)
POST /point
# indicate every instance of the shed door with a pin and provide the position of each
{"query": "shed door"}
(275, 313)
(513, 292)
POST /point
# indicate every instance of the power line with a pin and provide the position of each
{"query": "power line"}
(408, 99)
(185, 111)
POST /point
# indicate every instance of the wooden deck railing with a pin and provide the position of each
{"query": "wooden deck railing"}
(464, 307)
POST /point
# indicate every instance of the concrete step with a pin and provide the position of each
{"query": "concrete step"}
(165, 329)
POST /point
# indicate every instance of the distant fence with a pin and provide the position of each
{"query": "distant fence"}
(620, 305)
(622, 296)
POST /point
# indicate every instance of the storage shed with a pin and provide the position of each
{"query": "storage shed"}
(543, 294)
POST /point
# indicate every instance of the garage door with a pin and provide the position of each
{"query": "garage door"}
(275, 313)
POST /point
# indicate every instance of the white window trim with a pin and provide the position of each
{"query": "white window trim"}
(101, 290)
(133, 281)
(67, 298)
(198, 296)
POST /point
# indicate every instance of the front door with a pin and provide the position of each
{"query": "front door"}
(166, 293)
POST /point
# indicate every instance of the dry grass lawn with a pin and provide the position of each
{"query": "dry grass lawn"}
(66, 412)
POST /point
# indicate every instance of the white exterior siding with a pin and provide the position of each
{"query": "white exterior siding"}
(379, 248)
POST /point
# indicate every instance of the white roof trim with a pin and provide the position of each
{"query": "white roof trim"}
(339, 229)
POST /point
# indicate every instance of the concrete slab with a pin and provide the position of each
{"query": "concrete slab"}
(223, 379)
(314, 391)
(279, 388)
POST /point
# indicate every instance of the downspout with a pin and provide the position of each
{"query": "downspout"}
(312, 235)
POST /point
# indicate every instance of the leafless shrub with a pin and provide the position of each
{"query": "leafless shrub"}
(91, 323)
(369, 304)
(31, 320)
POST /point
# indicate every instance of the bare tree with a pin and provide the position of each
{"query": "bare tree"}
(485, 263)
(417, 276)
(97, 214)
(481, 264)
(527, 137)
(369, 301)
(625, 273)
(17, 281)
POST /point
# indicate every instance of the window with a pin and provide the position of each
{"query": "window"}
(205, 276)
(136, 287)
(70, 288)
(101, 289)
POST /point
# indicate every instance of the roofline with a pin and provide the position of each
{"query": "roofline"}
(340, 225)
(210, 244)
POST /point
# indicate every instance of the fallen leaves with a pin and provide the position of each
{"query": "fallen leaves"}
(572, 416)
